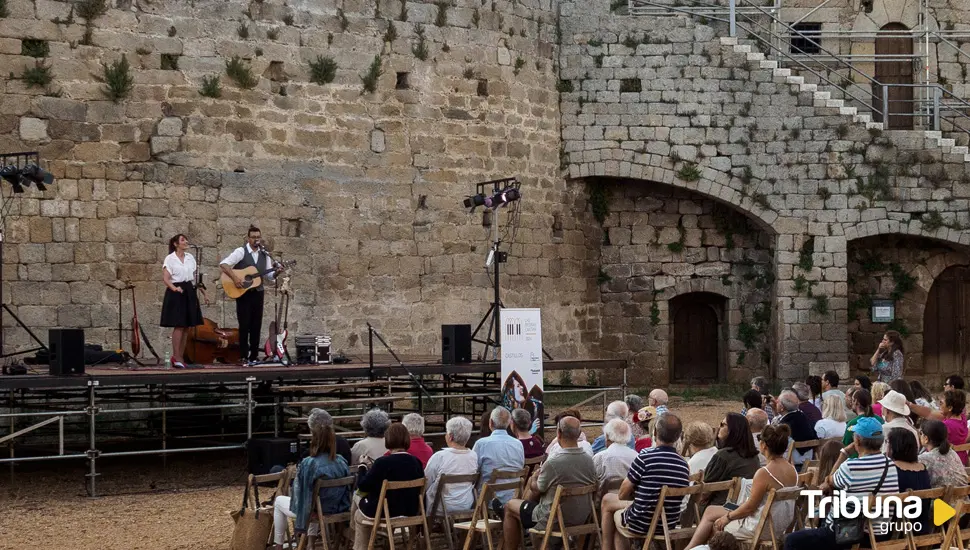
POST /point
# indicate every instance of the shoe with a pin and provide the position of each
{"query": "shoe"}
(496, 506)
(171, 361)
(178, 364)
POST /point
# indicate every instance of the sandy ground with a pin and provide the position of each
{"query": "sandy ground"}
(182, 504)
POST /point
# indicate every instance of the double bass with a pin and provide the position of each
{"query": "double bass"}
(208, 343)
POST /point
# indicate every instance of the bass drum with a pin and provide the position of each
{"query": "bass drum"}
(207, 344)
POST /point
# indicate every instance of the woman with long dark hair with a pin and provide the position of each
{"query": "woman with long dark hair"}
(863, 409)
(180, 306)
(887, 361)
(736, 455)
(940, 459)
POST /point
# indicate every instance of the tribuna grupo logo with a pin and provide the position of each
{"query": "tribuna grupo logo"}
(892, 512)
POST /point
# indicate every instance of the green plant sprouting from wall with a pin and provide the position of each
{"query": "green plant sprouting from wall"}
(373, 74)
(323, 70)
(210, 87)
(420, 49)
(689, 172)
(599, 201)
(241, 73)
(117, 78)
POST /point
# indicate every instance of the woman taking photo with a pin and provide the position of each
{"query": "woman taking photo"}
(180, 306)
(887, 361)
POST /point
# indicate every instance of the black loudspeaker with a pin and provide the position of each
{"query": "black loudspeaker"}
(456, 344)
(66, 351)
(264, 453)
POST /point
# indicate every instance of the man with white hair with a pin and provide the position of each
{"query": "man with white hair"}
(499, 451)
(419, 448)
(454, 459)
(804, 393)
(658, 399)
(801, 430)
(757, 420)
(616, 459)
(616, 409)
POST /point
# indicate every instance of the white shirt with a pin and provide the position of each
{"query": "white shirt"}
(826, 428)
(181, 270)
(238, 254)
(614, 461)
(700, 460)
(455, 496)
(900, 422)
(554, 448)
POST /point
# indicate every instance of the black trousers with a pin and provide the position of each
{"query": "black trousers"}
(249, 312)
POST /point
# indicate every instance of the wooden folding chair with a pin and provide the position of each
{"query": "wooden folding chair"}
(767, 521)
(556, 525)
(449, 517)
(480, 522)
(391, 524)
(933, 537)
(961, 447)
(798, 446)
(660, 518)
(956, 537)
(897, 540)
(696, 477)
(692, 513)
(339, 520)
(532, 463)
(611, 485)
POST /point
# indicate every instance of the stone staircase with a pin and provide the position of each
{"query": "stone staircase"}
(824, 98)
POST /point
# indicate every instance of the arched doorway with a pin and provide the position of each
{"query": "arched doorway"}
(946, 324)
(897, 68)
(698, 327)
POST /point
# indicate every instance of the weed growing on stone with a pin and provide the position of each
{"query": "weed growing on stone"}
(595, 42)
(172, 31)
(420, 50)
(564, 86)
(143, 51)
(258, 51)
(117, 79)
(273, 33)
(441, 19)
(38, 76)
(288, 20)
(599, 202)
(469, 73)
(89, 10)
(603, 277)
(323, 70)
(34, 48)
(210, 87)
(404, 11)
(243, 31)
(373, 74)
(519, 63)
(761, 200)
(390, 35)
(842, 131)
(4, 10)
(170, 62)
(821, 305)
(344, 22)
(824, 193)
(689, 172)
(241, 73)
(598, 59)
(476, 18)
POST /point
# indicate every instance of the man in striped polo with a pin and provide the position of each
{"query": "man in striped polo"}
(650, 472)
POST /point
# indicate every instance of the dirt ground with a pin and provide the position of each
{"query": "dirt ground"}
(182, 504)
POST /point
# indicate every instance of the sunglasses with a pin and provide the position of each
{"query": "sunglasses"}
(723, 423)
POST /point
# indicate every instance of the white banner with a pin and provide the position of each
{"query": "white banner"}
(522, 361)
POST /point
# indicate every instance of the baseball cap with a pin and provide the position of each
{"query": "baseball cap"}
(867, 427)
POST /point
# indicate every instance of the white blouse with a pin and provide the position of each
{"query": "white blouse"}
(181, 271)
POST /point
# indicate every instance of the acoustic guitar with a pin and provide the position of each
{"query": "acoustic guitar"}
(251, 278)
(135, 327)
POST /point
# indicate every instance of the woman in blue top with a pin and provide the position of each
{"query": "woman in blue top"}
(323, 462)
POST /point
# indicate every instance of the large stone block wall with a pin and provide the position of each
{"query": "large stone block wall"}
(363, 189)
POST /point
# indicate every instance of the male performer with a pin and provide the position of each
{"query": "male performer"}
(249, 306)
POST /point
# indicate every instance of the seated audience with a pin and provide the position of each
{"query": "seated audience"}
(397, 466)
(323, 462)
(862, 381)
(828, 455)
(570, 467)
(743, 521)
(953, 382)
(794, 418)
(375, 423)
(484, 428)
(903, 449)
(722, 540)
(804, 394)
(658, 399)
(644, 441)
(752, 399)
(634, 403)
(736, 455)
(952, 414)
(863, 407)
(499, 451)
(699, 446)
(760, 384)
(455, 459)
(896, 413)
(830, 385)
(850, 404)
(419, 447)
(859, 477)
(879, 390)
(942, 462)
(532, 444)
(553, 448)
(815, 384)
(630, 512)
(832, 423)
(616, 409)
(616, 459)
(922, 395)
(757, 420)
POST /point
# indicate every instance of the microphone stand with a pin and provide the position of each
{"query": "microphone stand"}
(372, 332)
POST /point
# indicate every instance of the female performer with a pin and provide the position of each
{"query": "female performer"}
(180, 308)
(887, 361)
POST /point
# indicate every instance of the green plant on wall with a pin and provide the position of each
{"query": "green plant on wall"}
(599, 201)
(117, 79)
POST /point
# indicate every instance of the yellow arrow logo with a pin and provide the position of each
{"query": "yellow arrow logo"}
(942, 512)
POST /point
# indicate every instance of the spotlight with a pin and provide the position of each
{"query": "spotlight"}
(12, 174)
(38, 175)
(505, 196)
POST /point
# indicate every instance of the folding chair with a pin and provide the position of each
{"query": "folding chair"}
(897, 540)
(391, 524)
(775, 496)
(954, 535)
(961, 447)
(933, 537)
(659, 517)
(696, 477)
(692, 513)
(811, 445)
(556, 525)
(532, 463)
(499, 476)
(338, 520)
(611, 485)
(449, 517)
(480, 522)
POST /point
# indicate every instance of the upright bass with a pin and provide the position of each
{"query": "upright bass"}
(209, 343)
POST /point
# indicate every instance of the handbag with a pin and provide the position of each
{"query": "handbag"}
(852, 530)
(253, 525)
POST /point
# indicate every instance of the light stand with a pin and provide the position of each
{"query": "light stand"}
(371, 334)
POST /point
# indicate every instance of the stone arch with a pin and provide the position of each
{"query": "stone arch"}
(946, 343)
(913, 228)
(885, 12)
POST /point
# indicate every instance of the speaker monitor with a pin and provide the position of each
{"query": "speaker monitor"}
(265, 453)
(66, 351)
(456, 344)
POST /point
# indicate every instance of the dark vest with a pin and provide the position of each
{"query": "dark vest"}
(247, 261)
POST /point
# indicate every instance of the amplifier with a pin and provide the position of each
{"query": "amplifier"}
(313, 350)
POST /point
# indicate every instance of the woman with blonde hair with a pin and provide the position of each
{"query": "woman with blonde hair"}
(879, 390)
(832, 423)
(699, 445)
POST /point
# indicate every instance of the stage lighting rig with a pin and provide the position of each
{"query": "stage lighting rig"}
(502, 192)
(22, 169)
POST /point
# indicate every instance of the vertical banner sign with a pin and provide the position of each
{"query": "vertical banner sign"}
(522, 362)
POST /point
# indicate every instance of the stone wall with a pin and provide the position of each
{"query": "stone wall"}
(363, 189)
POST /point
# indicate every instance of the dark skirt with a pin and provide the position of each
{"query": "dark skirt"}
(181, 309)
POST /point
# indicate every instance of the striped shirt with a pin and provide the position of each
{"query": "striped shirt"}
(859, 477)
(651, 470)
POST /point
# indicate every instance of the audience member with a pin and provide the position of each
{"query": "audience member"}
(743, 521)
(630, 512)
(887, 360)
(922, 395)
(616, 409)
(850, 403)
(879, 390)
(904, 388)
(942, 463)
(736, 455)
(953, 382)
(419, 448)
(397, 466)
(532, 444)
(375, 423)
(658, 398)
(634, 403)
(815, 384)
(804, 394)
(858, 477)
(952, 414)
(484, 428)
(499, 451)
(455, 459)
(757, 420)
(863, 409)
(553, 448)
(723, 541)
(699, 446)
(832, 423)
(896, 413)
(616, 459)
(644, 441)
(752, 399)
(323, 463)
(830, 385)
(828, 455)
(862, 381)
(794, 418)
(570, 467)
(903, 448)
(760, 384)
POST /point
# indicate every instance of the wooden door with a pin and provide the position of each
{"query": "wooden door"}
(896, 71)
(697, 337)
(946, 324)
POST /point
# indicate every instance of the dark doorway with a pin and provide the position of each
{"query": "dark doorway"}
(894, 40)
(698, 350)
(946, 324)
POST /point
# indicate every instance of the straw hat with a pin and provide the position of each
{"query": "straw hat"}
(896, 402)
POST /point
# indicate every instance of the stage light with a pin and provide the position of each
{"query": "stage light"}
(12, 174)
(505, 196)
(38, 175)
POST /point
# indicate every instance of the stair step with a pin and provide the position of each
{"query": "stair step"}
(834, 103)
(822, 95)
(756, 56)
(966, 158)
(933, 134)
(766, 64)
(944, 142)
(862, 117)
(729, 40)
(742, 48)
(796, 79)
(874, 125)
(960, 150)
(783, 72)
(808, 87)
(848, 110)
